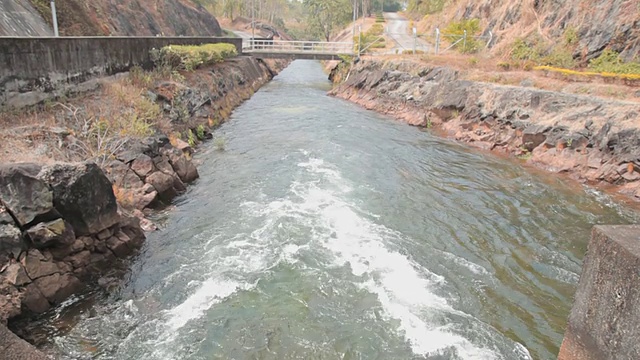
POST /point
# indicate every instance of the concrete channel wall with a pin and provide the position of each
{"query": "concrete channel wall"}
(34, 69)
(604, 323)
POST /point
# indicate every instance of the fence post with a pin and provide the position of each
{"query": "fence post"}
(415, 40)
(464, 42)
(437, 40)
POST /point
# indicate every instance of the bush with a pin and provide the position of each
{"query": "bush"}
(610, 62)
(190, 57)
(472, 27)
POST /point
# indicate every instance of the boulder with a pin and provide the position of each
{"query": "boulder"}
(56, 287)
(83, 195)
(5, 217)
(80, 259)
(10, 302)
(122, 176)
(163, 183)
(119, 247)
(15, 275)
(183, 166)
(143, 165)
(10, 240)
(24, 195)
(54, 233)
(34, 301)
(37, 265)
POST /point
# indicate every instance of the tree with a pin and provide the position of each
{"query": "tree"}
(325, 16)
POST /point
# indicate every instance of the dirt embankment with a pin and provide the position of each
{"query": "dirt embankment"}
(78, 177)
(594, 140)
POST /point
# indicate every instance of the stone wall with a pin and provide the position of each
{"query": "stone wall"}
(34, 69)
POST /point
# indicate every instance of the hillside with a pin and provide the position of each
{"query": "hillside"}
(19, 18)
(582, 27)
(130, 17)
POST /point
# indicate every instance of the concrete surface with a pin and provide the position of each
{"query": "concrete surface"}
(604, 323)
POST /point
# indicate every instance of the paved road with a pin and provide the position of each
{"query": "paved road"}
(398, 30)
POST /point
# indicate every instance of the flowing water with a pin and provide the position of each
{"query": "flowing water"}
(325, 231)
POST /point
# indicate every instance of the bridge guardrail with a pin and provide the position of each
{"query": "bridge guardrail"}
(307, 47)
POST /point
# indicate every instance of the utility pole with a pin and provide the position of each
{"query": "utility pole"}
(55, 18)
(353, 33)
(253, 22)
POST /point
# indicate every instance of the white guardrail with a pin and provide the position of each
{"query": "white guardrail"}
(297, 47)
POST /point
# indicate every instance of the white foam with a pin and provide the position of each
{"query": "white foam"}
(404, 292)
(209, 293)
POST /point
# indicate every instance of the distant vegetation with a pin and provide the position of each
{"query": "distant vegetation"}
(185, 57)
(372, 39)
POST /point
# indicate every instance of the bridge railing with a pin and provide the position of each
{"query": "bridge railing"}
(310, 47)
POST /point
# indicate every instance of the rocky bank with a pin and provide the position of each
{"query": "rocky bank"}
(594, 140)
(63, 226)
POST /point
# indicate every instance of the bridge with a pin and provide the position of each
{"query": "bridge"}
(284, 49)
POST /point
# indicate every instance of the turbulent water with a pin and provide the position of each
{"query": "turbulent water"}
(325, 231)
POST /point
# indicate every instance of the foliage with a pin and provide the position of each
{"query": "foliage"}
(325, 16)
(570, 36)
(472, 28)
(423, 7)
(219, 143)
(191, 57)
(371, 39)
(610, 62)
(534, 50)
(191, 138)
(200, 132)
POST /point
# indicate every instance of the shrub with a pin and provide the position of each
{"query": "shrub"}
(458, 28)
(189, 57)
(610, 62)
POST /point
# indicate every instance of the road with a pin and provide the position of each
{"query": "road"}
(398, 30)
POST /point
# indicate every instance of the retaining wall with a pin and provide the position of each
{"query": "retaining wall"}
(34, 69)
(604, 321)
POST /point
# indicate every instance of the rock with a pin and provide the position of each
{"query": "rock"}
(24, 195)
(182, 146)
(104, 234)
(15, 275)
(185, 168)
(162, 163)
(15, 348)
(83, 195)
(53, 233)
(37, 266)
(80, 259)
(163, 183)
(594, 162)
(10, 304)
(56, 287)
(11, 240)
(122, 176)
(5, 217)
(119, 247)
(34, 300)
(527, 83)
(533, 136)
(146, 224)
(143, 165)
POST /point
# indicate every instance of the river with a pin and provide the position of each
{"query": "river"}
(325, 231)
